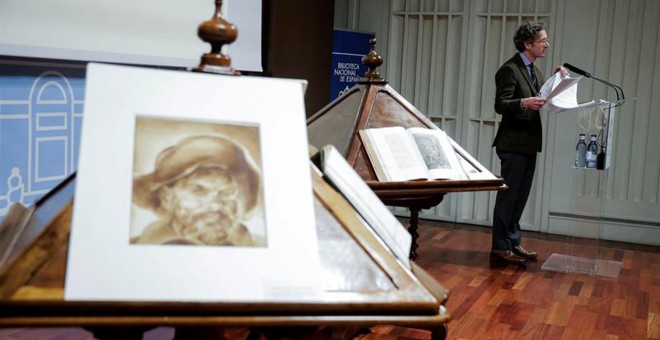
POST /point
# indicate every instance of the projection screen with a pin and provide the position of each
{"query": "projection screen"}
(147, 32)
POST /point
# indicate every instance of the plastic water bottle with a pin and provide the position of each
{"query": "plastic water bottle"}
(581, 152)
(592, 153)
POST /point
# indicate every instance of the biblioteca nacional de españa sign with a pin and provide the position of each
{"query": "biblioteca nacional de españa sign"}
(348, 48)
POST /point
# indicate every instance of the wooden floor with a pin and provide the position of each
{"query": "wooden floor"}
(512, 302)
(488, 301)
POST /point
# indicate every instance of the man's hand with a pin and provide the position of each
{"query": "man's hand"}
(533, 103)
(563, 71)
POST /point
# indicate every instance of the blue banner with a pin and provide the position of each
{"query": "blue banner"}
(348, 48)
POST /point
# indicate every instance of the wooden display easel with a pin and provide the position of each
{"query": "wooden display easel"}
(373, 104)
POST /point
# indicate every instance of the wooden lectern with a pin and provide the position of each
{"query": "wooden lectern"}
(374, 104)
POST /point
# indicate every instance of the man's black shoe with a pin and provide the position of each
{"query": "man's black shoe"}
(520, 251)
(507, 256)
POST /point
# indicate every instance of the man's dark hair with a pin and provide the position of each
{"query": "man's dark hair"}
(526, 33)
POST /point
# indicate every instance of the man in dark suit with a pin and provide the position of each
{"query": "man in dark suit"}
(518, 139)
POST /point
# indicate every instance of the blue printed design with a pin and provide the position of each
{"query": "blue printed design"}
(41, 105)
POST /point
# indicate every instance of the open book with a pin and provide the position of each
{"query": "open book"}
(399, 154)
(343, 177)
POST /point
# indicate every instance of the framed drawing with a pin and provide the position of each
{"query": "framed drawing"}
(191, 187)
(201, 182)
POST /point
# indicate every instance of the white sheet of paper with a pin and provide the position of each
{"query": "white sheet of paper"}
(103, 265)
(559, 88)
(562, 94)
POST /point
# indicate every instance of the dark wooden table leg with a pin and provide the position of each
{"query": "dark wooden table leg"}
(412, 229)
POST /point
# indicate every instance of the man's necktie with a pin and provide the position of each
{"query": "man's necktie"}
(535, 81)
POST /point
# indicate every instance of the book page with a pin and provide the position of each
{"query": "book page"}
(437, 153)
(393, 154)
(395, 236)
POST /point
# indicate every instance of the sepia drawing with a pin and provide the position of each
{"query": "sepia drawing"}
(201, 189)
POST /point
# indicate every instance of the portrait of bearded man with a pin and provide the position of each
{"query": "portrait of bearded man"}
(202, 189)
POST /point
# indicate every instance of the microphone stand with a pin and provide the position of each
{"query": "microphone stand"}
(620, 97)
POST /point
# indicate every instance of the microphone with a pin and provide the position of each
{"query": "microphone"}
(620, 97)
(577, 70)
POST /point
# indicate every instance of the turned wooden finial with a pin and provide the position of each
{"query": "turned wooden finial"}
(217, 32)
(372, 60)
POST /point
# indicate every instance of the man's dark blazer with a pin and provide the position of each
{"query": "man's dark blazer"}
(520, 130)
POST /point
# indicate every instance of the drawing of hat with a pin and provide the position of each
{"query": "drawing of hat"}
(190, 154)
